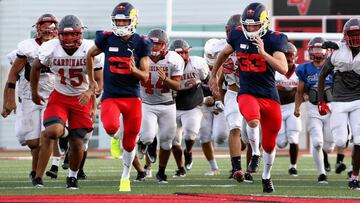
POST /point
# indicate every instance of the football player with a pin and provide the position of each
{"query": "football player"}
(126, 64)
(29, 114)
(259, 52)
(346, 99)
(317, 125)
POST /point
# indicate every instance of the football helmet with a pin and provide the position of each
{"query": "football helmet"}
(46, 30)
(70, 32)
(209, 51)
(352, 32)
(124, 11)
(315, 50)
(255, 14)
(158, 36)
(234, 21)
(181, 46)
(291, 53)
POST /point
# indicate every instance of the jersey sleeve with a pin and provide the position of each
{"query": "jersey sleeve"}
(279, 42)
(300, 72)
(201, 67)
(99, 62)
(144, 48)
(11, 56)
(100, 40)
(23, 49)
(178, 65)
(46, 51)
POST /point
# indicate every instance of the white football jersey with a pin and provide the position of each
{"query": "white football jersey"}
(195, 71)
(343, 59)
(29, 48)
(71, 75)
(285, 83)
(154, 91)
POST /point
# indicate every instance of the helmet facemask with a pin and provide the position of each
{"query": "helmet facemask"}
(316, 53)
(352, 37)
(263, 22)
(124, 30)
(46, 30)
(70, 39)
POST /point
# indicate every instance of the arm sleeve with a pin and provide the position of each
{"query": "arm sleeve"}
(100, 42)
(178, 65)
(300, 72)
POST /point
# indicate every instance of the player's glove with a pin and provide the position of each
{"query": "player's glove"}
(329, 45)
(323, 108)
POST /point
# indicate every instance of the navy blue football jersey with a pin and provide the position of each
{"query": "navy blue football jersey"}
(118, 80)
(257, 77)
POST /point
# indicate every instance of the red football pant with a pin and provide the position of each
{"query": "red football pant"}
(268, 112)
(67, 108)
(130, 108)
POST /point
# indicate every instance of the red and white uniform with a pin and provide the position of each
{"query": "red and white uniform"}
(159, 110)
(71, 80)
(291, 125)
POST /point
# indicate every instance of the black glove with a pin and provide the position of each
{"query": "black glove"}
(330, 45)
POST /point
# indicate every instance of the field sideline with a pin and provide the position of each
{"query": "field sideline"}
(103, 178)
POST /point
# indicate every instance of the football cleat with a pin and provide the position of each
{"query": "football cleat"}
(81, 175)
(293, 171)
(124, 185)
(322, 179)
(354, 184)
(37, 182)
(254, 164)
(72, 183)
(162, 178)
(141, 176)
(53, 172)
(212, 172)
(180, 173)
(267, 185)
(188, 160)
(340, 167)
(248, 178)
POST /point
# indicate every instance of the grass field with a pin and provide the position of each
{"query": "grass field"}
(103, 178)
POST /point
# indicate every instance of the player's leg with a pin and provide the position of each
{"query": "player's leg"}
(176, 147)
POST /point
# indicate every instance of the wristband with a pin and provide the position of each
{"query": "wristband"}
(11, 85)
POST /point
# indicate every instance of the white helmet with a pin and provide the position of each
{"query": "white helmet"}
(210, 52)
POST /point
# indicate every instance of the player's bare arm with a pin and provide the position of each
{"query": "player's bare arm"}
(34, 81)
(142, 73)
(93, 51)
(299, 97)
(214, 79)
(325, 71)
(9, 104)
(277, 61)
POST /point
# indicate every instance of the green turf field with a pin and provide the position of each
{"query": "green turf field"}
(103, 178)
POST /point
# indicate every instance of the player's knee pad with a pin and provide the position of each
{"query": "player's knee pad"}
(293, 137)
(205, 138)
(78, 132)
(166, 144)
(281, 143)
(328, 147)
(234, 120)
(356, 140)
(189, 135)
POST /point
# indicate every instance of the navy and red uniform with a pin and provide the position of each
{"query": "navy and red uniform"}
(258, 97)
(121, 88)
